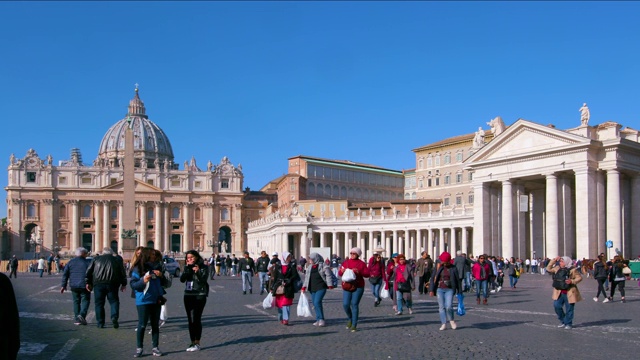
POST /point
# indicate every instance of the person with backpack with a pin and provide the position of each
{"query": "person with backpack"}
(317, 280)
(565, 290)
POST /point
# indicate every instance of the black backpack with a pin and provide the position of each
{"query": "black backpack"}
(559, 279)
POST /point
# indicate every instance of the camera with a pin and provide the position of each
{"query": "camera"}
(153, 276)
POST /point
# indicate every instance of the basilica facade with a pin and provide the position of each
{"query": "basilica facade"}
(61, 207)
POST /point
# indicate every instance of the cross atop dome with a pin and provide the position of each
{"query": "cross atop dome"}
(136, 106)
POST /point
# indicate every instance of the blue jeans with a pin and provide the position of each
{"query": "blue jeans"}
(513, 280)
(400, 300)
(351, 304)
(81, 300)
(102, 291)
(316, 297)
(376, 290)
(264, 281)
(467, 281)
(41, 272)
(283, 313)
(445, 304)
(564, 315)
(148, 313)
(481, 285)
(247, 280)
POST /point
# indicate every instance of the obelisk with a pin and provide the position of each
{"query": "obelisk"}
(129, 235)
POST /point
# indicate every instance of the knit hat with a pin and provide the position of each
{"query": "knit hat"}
(275, 253)
(356, 250)
(445, 257)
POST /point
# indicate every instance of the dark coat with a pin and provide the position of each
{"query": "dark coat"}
(435, 278)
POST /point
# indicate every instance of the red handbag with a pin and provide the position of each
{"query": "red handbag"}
(349, 286)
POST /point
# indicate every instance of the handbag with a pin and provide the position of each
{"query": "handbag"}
(404, 287)
(626, 270)
(375, 280)
(349, 286)
(280, 289)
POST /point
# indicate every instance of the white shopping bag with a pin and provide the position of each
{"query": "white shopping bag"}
(267, 303)
(384, 293)
(303, 306)
(348, 275)
(163, 313)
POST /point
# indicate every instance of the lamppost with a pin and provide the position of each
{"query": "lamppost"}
(35, 242)
(212, 243)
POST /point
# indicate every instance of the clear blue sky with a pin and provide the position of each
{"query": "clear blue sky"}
(263, 81)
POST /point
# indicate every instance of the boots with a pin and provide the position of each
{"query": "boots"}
(478, 301)
(484, 301)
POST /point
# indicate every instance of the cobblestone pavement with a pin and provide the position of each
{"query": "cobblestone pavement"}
(516, 324)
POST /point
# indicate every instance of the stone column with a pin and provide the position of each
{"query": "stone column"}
(507, 219)
(186, 234)
(142, 237)
(586, 213)
(97, 232)
(323, 239)
(614, 222)
(106, 227)
(167, 223)
(537, 222)
(430, 244)
(396, 243)
(420, 245)
(75, 225)
(551, 205)
(50, 235)
(601, 215)
(304, 245)
(635, 214)
(568, 227)
(464, 247)
(372, 245)
(334, 243)
(347, 245)
(157, 226)
(453, 246)
(482, 214)
(387, 244)
(120, 224)
(441, 240)
(523, 250)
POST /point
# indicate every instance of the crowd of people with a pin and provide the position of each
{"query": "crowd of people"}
(281, 276)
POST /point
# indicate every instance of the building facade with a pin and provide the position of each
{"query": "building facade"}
(61, 207)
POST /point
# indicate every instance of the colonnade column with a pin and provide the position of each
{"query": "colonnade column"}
(75, 225)
(586, 214)
(387, 243)
(614, 222)
(395, 242)
(120, 224)
(347, 245)
(551, 205)
(167, 223)
(463, 241)
(106, 224)
(635, 214)
(157, 227)
(304, 245)
(142, 239)
(568, 225)
(186, 236)
(507, 219)
(97, 232)
(429, 244)
(372, 246)
(420, 246)
(440, 240)
(334, 243)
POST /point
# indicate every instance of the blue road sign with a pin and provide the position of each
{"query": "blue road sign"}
(609, 244)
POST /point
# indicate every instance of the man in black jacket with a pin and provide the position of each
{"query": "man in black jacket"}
(262, 267)
(105, 275)
(247, 268)
(74, 275)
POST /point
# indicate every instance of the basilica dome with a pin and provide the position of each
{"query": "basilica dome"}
(151, 145)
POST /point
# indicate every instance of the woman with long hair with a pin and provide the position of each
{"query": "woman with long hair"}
(283, 277)
(378, 276)
(617, 278)
(195, 295)
(444, 283)
(513, 270)
(146, 281)
(600, 273)
(403, 285)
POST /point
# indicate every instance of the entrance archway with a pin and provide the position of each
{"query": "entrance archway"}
(224, 240)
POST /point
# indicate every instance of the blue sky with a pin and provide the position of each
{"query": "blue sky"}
(260, 82)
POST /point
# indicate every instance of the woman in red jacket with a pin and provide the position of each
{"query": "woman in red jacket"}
(353, 290)
(378, 277)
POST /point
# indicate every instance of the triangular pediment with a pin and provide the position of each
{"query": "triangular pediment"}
(140, 186)
(526, 138)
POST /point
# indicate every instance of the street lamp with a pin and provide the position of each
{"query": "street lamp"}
(35, 242)
(212, 243)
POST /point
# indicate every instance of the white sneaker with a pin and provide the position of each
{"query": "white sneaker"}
(499, 288)
(194, 347)
(443, 327)
(315, 323)
(595, 299)
(410, 311)
(605, 300)
(321, 323)
(453, 324)
(492, 291)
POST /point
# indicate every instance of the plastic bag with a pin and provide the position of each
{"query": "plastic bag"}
(303, 306)
(461, 310)
(163, 313)
(267, 303)
(348, 275)
(384, 292)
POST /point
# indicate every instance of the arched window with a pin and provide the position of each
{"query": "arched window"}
(198, 214)
(63, 212)
(311, 189)
(319, 190)
(421, 164)
(86, 211)
(327, 191)
(343, 192)
(175, 212)
(336, 191)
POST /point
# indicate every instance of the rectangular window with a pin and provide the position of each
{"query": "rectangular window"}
(470, 176)
(322, 207)
(197, 184)
(458, 178)
(293, 186)
(150, 181)
(301, 209)
(437, 182)
(113, 181)
(459, 157)
(114, 226)
(150, 227)
(312, 208)
(437, 160)
(447, 179)
(176, 227)
(331, 207)
(31, 176)
(342, 206)
(458, 200)
(428, 182)
(62, 180)
(224, 183)
(175, 183)
(471, 199)
(86, 180)
(446, 201)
